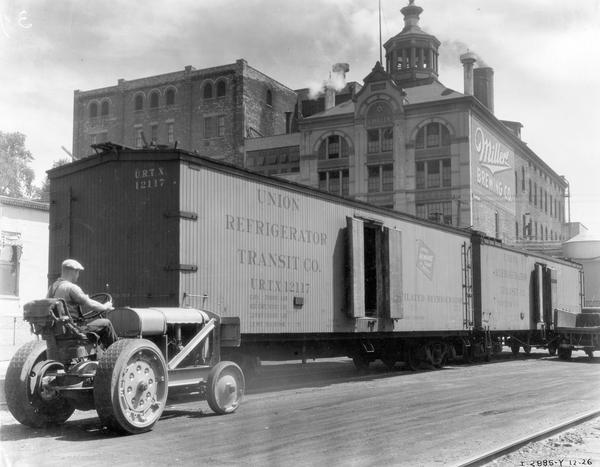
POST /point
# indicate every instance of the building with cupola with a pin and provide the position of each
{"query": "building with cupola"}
(405, 141)
(400, 139)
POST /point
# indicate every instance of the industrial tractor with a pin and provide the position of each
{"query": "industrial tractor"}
(128, 382)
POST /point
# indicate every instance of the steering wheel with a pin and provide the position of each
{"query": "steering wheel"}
(101, 297)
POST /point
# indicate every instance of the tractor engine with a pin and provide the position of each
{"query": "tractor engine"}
(170, 329)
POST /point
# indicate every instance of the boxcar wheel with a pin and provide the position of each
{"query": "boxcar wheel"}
(131, 386)
(225, 387)
(552, 348)
(413, 362)
(564, 354)
(361, 363)
(514, 346)
(26, 398)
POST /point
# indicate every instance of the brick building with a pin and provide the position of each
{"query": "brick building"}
(401, 139)
(209, 111)
(406, 142)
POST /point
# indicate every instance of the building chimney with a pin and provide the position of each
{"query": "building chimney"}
(337, 81)
(468, 59)
(483, 79)
(329, 96)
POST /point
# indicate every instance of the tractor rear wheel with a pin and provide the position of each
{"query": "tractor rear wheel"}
(225, 387)
(28, 397)
(131, 386)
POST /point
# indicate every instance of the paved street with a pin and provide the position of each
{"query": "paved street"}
(324, 414)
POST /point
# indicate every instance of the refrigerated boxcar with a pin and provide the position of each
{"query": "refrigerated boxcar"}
(308, 273)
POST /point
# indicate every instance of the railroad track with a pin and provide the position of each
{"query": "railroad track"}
(490, 456)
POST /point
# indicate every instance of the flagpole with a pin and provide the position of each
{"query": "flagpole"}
(380, 46)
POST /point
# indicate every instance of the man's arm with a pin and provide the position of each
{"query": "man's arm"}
(78, 296)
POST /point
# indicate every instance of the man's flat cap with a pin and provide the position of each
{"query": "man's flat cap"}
(72, 264)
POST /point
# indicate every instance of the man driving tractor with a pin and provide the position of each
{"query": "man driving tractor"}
(77, 301)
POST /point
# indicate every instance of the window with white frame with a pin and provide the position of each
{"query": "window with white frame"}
(10, 261)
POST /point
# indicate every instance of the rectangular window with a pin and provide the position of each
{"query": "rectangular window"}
(440, 212)
(433, 174)
(170, 133)
(373, 185)
(93, 139)
(387, 178)
(209, 127)
(139, 140)
(387, 139)
(221, 125)
(523, 178)
(372, 141)
(420, 175)
(333, 147)
(335, 181)
(446, 173)
(10, 259)
(530, 193)
(345, 182)
(154, 133)
(433, 135)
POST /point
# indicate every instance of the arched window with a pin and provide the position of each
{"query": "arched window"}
(380, 131)
(93, 110)
(154, 100)
(269, 97)
(333, 147)
(170, 96)
(104, 109)
(139, 102)
(221, 88)
(208, 91)
(432, 135)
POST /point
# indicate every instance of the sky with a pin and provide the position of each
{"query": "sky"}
(545, 55)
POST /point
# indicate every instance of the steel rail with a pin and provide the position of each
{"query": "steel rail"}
(483, 459)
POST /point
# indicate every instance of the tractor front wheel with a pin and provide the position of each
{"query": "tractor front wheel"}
(29, 396)
(131, 386)
(225, 387)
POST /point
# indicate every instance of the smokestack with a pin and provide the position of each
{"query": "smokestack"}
(483, 79)
(329, 97)
(468, 59)
(336, 82)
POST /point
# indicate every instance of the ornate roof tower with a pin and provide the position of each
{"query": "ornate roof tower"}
(412, 55)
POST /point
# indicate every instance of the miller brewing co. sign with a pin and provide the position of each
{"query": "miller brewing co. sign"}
(493, 164)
